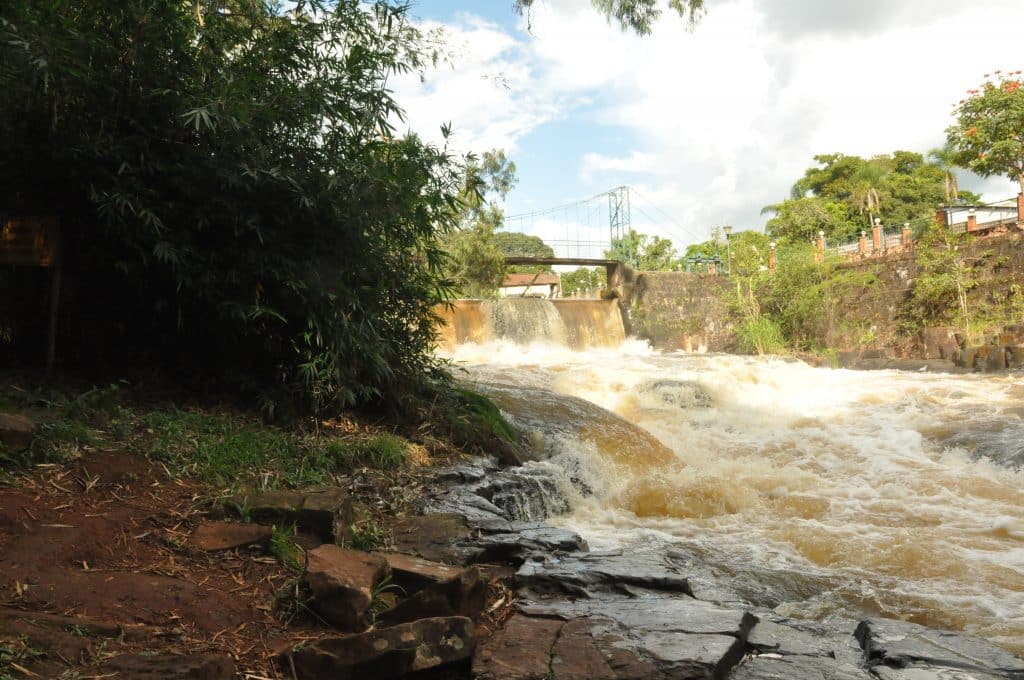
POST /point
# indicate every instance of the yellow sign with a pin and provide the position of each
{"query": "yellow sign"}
(29, 241)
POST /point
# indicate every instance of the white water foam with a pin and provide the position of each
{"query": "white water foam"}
(894, 493)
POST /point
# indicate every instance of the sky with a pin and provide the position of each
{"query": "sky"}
(706, 125)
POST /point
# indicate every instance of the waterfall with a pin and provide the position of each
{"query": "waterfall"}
(578, 324)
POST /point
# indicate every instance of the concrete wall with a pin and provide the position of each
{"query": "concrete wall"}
(679, 310)
(676, 310)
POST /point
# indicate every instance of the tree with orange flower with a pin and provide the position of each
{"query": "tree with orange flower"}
(989, 131)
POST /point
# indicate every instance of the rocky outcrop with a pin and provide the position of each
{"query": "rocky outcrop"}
(343, 583)
(462, 595)
(386, 652)
(411, 573)
(919, 652)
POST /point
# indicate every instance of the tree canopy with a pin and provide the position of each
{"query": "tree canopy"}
(236, 208)
(644, 252)
(989, 131)
(842, 195)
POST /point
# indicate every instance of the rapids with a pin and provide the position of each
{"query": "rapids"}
(825, 493)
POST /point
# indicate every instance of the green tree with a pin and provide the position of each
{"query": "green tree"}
(584, 278)
(945, 159)
(989, 130)
(635, 15)
(643, 252)
(945, 277)
(798, 220)
(237, 208)
(477, 262)
(516, 244)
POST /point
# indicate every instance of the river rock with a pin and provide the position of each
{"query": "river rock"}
(530, 648)
(412, 573)
(212, 536)
(521, 650)
(16, 431)
(586, 574)
(342, 583)
(682, 637)
(438, 537)
(464, 595)
(326, 513)
(902, 644)
(525, 539)
(386, 652)
(940, 342)
(169, 667)
(778, 667)
(477, 511)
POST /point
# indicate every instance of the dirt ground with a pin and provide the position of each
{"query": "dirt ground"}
(95, 562)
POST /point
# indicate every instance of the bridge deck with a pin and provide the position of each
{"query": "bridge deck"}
(579, 261)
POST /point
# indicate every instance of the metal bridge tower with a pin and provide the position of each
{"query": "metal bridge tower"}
(620, 221)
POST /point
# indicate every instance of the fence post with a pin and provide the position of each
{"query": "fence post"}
(876, 234)
(940, 217)
(821, 246)
(712, 269)
(908, 236)
(1020, 210)
(972, 220)
(771, 257)
(863, 245)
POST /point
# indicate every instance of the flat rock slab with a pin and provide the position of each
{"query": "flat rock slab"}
(526, 539)
(778, 667)
(213, 536)
(652, 613)
(902, 644)
(586, 574)
(931, 673)
(326, 513)
(412, 573)
(768, 637)
(434, 536)
(342, 582)
(170, 667)
(464, 595)
(386, 652)
(16, 431)
(521, 650)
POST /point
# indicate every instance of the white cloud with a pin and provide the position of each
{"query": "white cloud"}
(721, 121)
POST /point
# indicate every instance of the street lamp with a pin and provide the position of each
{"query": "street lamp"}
(728, 249)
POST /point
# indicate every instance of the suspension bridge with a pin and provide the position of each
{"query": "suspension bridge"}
(589, 228)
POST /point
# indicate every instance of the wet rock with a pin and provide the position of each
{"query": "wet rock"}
(587, 574)
(1015, 357)
(326, 513)
(768, 637)
(478, 512)
(940, 342)
(779, 667)
(526, 539)
(929, 673)
(996, 360)
(412, 573)
(901, 644)
(16, 431)
(591, 648)
(435, 536)
(464, 595)
(519, 651)
(170, 667)
(212, 536)
(387, 652)
(682, 637)
(342, 583)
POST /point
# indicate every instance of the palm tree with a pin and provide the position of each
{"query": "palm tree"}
(865, 189)
(943, 157)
